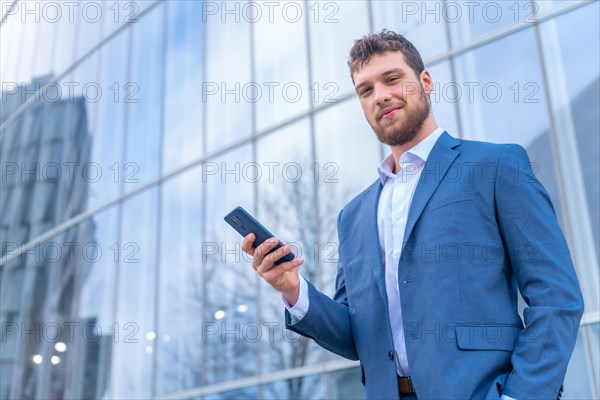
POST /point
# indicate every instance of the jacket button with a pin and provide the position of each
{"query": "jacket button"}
(391, 355)
(352, 311)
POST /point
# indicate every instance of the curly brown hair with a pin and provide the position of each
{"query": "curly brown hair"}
(381, 42)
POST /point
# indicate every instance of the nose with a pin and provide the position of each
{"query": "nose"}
(382, 94)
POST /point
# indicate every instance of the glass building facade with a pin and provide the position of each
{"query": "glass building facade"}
(129, 129)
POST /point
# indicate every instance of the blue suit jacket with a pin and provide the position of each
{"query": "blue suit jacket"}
(480, 224)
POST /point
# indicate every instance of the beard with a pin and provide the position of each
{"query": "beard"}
(414, 117)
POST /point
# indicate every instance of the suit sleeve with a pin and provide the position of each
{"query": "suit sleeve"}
(327, 320)
(543, 270)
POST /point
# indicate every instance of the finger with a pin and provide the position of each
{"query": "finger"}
(270, 259)
(261, 251)
(291, 265)
(283, 268)
(247, 244)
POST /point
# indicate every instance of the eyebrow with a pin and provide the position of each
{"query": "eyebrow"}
(399, 71)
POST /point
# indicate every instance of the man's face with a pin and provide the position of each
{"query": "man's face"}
(392, 97)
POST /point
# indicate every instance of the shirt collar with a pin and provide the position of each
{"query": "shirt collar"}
(421, 151)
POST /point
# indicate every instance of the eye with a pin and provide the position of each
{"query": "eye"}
(365, 91)
(392, 79)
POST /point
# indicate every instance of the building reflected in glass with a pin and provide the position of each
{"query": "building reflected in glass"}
(129, 129)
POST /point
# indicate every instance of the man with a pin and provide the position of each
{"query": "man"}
(432, 253)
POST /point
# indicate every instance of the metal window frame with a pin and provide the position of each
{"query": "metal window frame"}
(325, 367)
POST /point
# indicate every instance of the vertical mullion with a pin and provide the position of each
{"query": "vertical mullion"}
(203, 207)
(255, 198)
(452, 66)
(117, 281)
(313, 150)
(159, 205)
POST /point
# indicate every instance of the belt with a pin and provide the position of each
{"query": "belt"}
(405, 386)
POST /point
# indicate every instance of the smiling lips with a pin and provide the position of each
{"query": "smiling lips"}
(388, 112)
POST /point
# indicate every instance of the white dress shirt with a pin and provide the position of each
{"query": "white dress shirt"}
(392, 213)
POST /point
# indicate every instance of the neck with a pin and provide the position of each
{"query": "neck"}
(428, 127)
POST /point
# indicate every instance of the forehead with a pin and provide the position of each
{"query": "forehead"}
(379, 64)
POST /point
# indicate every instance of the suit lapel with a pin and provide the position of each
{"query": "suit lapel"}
(371, 236)
(439, 160)
(441, 157)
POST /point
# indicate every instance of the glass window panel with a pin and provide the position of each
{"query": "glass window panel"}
(304, 387)
(286, 186)
(30, 274)
(489, 92)
(27, 48)
(426, 31)
(89, 13)
(577, 383)
(13, 153)
(348, 156)
(577, 35)
(42, 59)
(287, 208)
(179, 343)
(470, 20)
(183, 114)
(572, 54)
(58, 335)
(594, 355)
(74, 324)
(444, 98)
(82, 89)
(132, 357)
(345, 384)
(548, 5)
(50, 146)
(115, 14)
(140, 6)
(44, 193)
(228, 113)
(65, 42)
(12, 38)
(230, 308)
(68, 131)
(7, 46)
(250, 392)
(107, 131)
(7, 9)
(10, 137)
(143, 96)
(87, 375)
(334, 27)
(12, 316)
(281, 87)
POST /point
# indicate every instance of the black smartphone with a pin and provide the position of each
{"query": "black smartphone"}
(244, 223)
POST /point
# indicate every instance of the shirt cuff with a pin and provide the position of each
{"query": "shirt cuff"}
(298, 310)
(505, 397)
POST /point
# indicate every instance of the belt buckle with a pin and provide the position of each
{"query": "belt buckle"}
(405, 385)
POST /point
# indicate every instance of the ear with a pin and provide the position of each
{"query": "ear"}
(426, 81)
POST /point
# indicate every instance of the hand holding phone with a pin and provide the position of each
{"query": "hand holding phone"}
(245, 223)
(284, 278)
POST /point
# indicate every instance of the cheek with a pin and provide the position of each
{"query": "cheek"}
(364, 104)
(368, 110)
(413, 89)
